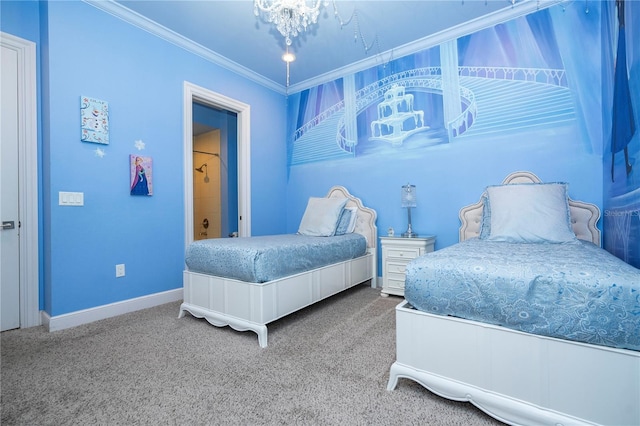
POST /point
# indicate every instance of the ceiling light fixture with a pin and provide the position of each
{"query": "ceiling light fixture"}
(288, 57)
(291, 17)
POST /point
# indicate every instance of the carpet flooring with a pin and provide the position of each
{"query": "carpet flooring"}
(327, 364)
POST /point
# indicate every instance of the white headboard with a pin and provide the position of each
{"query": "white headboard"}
(584, 216)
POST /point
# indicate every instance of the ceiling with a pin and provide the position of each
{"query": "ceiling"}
(373, 32)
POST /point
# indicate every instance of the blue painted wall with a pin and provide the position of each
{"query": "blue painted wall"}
(557, 132)
(20, 18)
(83, 51)
(86, 52)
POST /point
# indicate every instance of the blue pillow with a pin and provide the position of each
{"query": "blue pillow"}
(485, 224)
(343, 222)
(529, 213)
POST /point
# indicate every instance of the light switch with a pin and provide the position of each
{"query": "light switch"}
(78, 198)
(71, 198)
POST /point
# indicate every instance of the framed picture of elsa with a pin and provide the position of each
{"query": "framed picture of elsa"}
(141, 175)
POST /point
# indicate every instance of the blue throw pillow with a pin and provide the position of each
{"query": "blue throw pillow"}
(343, 222)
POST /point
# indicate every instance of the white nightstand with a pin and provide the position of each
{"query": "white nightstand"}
(397, 252)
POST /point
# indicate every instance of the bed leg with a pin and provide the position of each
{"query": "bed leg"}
(262, 336)
(393, 378)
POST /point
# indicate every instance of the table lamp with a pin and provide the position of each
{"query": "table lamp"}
(409, 200)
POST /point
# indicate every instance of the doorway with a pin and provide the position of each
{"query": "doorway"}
(226, 162)
(215, 179)
(208, 204)
(19, 277)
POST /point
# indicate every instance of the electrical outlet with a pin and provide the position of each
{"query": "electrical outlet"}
(120, 270)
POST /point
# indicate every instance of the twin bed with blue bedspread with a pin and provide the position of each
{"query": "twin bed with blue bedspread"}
(574, 291)
(248, 282)
(267, 258)
(527, 317)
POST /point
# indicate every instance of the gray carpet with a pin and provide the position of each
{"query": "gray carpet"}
(325, 365)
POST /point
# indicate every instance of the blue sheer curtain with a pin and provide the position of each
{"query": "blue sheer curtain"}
(574, 28)
(544, 36)
(623, 121)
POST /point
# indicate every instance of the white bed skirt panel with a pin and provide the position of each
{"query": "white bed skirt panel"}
(516, 377)
(250, 306)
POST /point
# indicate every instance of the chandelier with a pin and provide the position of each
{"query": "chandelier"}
(291, 17)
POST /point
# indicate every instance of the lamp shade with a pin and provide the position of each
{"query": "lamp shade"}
(409, 196)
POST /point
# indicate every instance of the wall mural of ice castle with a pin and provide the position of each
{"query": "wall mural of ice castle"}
(397, 120)
(427, 98)
(516, 90)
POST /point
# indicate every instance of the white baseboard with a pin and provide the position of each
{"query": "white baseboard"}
(86, 316)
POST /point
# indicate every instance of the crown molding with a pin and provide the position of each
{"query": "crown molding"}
(516, 10)
(121, 12)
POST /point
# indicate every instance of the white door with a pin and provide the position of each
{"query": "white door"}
(9, 237)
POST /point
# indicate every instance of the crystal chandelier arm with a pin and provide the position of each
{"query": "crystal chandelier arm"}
(300, 5)
(264, 6)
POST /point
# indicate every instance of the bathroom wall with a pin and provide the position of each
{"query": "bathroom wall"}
(207, 200)
(227, 123)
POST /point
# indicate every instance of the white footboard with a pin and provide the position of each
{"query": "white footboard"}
(516, 377)
(250, 306)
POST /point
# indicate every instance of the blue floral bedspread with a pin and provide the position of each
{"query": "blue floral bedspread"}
(266, 258)
(577, 291)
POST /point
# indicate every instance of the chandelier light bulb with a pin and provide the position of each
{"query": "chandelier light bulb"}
(288, 57)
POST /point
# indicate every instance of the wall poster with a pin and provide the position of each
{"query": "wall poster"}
(94, 115)
(141, 175)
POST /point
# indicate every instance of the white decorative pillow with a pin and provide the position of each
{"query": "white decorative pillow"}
(321, 216)
(529, 213)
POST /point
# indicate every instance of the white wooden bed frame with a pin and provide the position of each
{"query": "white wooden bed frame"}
(515, 377)
(251, 306)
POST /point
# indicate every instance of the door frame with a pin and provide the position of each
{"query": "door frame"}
(193, 93)
(27, 178)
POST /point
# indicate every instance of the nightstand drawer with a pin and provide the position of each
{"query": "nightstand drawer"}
(404, 253)
(397, 285)
(396, 268)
